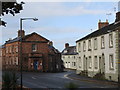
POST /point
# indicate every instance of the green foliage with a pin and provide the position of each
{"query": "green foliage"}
(71, 86)
(10, 8)
(9, 80)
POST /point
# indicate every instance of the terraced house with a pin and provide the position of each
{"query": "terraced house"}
(69, 56)
(99, 51)
(38, 54)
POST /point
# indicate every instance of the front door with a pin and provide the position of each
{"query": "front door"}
(102, 64)
(35, 65)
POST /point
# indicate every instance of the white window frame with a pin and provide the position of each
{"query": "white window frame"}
(102, 42)
(84, 46)
(90, 62)
(111, 62)
(95, 43)
(111, 40)
(35, 48)
(89, 45)
(95, 62)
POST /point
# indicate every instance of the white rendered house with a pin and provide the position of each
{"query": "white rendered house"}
(69, 56)
(99, 52)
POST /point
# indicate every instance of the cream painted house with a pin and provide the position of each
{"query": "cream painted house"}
(69, 56)
(99, 52)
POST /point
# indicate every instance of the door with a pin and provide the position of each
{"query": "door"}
(35, 65)
(102, 64)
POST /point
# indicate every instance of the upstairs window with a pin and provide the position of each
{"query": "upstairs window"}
(89, 45)
(34, 47)
(102, 42)
(84, 46)
(110, 40)
(95, 44)
(79, 47)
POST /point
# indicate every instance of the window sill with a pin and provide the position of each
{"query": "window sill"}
(111, 68)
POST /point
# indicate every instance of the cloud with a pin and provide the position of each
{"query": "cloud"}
(57, 9)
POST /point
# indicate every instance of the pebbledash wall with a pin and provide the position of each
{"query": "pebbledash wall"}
(98, 60)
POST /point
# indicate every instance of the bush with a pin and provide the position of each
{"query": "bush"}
(71, 86)
(9, 80)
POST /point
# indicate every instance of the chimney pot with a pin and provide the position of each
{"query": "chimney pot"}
(66, 45)
(22, 32)
(51, 43)
(102, 24)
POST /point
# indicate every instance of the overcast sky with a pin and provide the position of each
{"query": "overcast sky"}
(60, 22)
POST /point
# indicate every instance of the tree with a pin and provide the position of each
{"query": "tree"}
(10, 8)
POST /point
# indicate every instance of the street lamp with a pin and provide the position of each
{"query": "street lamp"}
(21, 19)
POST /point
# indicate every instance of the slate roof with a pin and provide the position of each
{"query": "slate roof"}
(23, 38)
(102, 31)
(71, 50)
(54, 49)
(2, 46)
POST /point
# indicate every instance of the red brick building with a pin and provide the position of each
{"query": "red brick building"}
(38, 54)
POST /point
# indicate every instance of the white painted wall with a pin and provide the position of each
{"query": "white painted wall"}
(107, 51)
(71, 59)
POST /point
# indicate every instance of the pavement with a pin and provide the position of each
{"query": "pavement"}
(90, 80)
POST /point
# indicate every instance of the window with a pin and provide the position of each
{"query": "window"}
(110, 40)
(95, 44)
(10, 48)
(74, 57)
(95, 62)
(79, 47)
(74, 63)
(84, 46)
(111, 62)
(102, 42)
(89, 45)
(80, 62)
(16, 48)
(90, 62)
(6, 49)
(34, 47)
(68, 56)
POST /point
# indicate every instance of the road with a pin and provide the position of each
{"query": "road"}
(57, 80)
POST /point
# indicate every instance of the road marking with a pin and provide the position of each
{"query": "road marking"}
(33, 78)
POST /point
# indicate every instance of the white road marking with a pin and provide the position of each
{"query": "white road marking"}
(33, 78)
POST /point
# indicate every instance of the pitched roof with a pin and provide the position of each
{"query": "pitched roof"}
(53, 49)
(71, 50)
(102, 31)
(23, 38)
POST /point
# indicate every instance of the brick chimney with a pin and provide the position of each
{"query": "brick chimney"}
(102, 24)
(118, 13)
(22, 31)
(66, 45)
(51, 43)
(117, 17)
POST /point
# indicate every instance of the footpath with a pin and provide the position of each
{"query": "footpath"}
(91, 80)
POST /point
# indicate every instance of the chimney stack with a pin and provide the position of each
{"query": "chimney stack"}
(66, 45)
(51, 43)
(118, 13)
(21, 31)
(102, 24)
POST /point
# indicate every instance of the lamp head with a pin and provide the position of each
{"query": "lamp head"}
(35, 19)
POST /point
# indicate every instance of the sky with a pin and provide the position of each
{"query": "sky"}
(60, 22)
